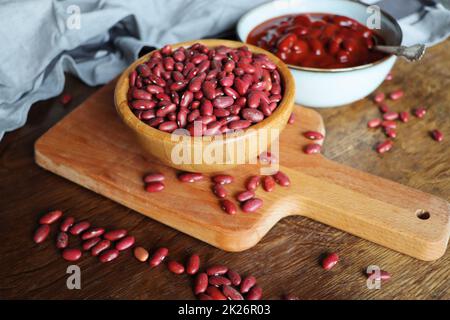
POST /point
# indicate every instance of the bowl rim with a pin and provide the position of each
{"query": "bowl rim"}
(130, 119)
(394, 22)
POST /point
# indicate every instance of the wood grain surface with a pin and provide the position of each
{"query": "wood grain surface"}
(286, 260)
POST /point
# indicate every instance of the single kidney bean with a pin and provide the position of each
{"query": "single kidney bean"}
(125, 243)
(282, 179)
(255, 293)
(291, 119)
(420, 112)
(99, 247)
(267, 157)
(223, 179)
(175, 267)
(437, 135)
(312, 148)
(216, 270)
(390, 115)
(223, 102)
(71, 254)
(190, 177)
(141, 254)
(62, 240)
(390, 133)
(374, 123)
(245, 195)
(231, 293)
(383, 107)
(397, 94)
(219, 281)
(228, 206)
(384, 146)
(253, 183)
(247, 283)
(313, 135)
(143, 104)
(109, 255)
(89, 244)
(234, 277)
(215, 293)
(158, 256)
(153, 177)
(50, 217)
(253, 115)
(220, 191)
(92, 233)
(154, 187)
(66, 224)
(268, 183)
(239, 124)
(200, 283)
(252, 205)
(382, 275)
(404, 116)
(114, 235)
(330, 261)
(79, 228)
(379, 97)
(389, 124)
(140, 94)
(193, 264)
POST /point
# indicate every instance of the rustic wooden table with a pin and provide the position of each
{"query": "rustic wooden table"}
(286, 260)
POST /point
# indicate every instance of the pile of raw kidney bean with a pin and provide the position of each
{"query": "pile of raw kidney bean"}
(216, 282)
(222, 89)
(389, 119)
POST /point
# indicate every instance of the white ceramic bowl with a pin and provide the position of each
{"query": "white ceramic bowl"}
(329, 87)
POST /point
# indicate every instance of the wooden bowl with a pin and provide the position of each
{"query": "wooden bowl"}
(205, 155)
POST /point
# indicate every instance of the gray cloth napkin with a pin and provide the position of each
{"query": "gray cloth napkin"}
(41, 39)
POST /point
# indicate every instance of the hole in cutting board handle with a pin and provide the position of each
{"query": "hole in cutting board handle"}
(422, 214)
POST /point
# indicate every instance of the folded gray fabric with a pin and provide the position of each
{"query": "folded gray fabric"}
(41, 40)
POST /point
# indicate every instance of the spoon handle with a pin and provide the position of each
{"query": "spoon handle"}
(411, 53)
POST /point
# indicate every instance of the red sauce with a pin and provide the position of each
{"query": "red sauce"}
(318, 40)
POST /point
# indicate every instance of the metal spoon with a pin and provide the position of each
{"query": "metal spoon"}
(411, 53)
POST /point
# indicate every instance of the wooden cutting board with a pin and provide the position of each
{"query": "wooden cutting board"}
(93, 148)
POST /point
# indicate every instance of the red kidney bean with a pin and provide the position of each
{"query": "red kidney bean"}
(114, 235)
(143, 70)
(153, 177)
(193, 264)
(71, 254)
(255, 293)
(168, 126)
(216, 270)
(215, 293)
(220, 191)
(228, 206)
(404, 116)
(109, 255)
(437, 135)
(252, 205)
(312, 148)
(253, 115)
(379, 97)
(155, 121)
(330, 261)
(219, 281)
(383, 107)
(268, 183)
(313, 135)
(390, 115)
(99, 247)
(79, 228)
(390, 133)
(389, 124)
(223, 179)
(125, 243)
(253, 183)
(92, 233)
(239, 124)
(374, 123)
(154, 186)
(247, 283)
(66, 224)
(154, 89)
(190, 177)
(200, 283)
(397, 94)
(282, 179)
(245, 195)
(142, 104)
(384, 146)
(132, 78)
(223, 102)
(382, 275)
(140, 94)
(62, 240)
(158, 256)
(231, 293)
(420, 112)
(89, 244)
(234, 277)
(50, 217)
(141, 254)
(175, 267)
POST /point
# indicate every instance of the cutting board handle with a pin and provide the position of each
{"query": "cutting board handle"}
(373, 208)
